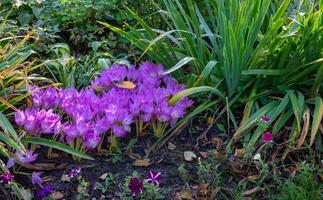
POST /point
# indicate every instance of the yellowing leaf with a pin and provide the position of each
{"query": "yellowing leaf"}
(125, 85)
(57, 195)
(239, 152)
(186, 194)
(142, 163)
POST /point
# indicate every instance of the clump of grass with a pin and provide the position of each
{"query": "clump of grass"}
(208, 172)
(304, 185)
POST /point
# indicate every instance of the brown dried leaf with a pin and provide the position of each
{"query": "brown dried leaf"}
(53, 155)
(204, 154)
(203, 188)
(218, 143)
(142, 163)
(65, 178)
(178, 196)
(57, 195)
(186, 194)
(49, 178)
(239, 153)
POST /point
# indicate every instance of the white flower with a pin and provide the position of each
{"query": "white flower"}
(257, 157)
(18, 3)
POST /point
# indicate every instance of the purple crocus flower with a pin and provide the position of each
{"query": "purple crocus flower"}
(90, 112)
(44, 191)
(29, 157)
(20, 118)
(153, 177)
(6, 178)
(267, 137)
(36, 178)
(135, 186)
(74, 172)
(265, 119)
(10, 163)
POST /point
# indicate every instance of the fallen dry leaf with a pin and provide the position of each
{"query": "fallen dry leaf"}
(218, 143)
(204, 154)
(57, 195)
(186, 194)
(49, 178)
(249, 192)
(239, 153)
(53, 155)
(142, 163)
(178, 196)
(189, 155)
(125, 85)
(103, 176)
(171, 146)
(203, 189)
(65, 178)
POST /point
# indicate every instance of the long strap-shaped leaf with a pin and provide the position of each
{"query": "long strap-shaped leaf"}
(194, 90)
(7, 127)
(317, 118)
(55, 145)
(9, 141)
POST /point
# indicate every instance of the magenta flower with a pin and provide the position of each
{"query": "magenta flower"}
(74, 172)
(135, 186)
(6, 178)
(265, 119)
(10, 163)
(267, 137)
(44, 191)
(153, 177)
(29, 157)
(36, 178)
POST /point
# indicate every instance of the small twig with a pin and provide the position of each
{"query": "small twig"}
(203, 135)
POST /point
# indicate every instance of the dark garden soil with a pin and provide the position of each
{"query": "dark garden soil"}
(231, 170)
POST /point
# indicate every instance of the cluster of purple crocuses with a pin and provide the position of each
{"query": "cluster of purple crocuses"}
(108, 104)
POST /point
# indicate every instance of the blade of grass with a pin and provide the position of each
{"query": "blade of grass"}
(55, 145)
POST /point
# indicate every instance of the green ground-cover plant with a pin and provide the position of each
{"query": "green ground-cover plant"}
(304, 185)
(256, 53)
(75, 23)
(18, 69)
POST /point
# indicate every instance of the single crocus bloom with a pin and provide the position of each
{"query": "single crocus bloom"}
(44, 191)
(6, 178)
(265, 119)
(154, 177)
(10, 163)
(36, 178)
(135, 186)
(74, 172)
(29, 157)
(267, 137)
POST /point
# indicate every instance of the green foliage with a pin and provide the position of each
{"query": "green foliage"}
(262, 54)
(150, 191)
(303, 186)
(75, 20)
(109, 181)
